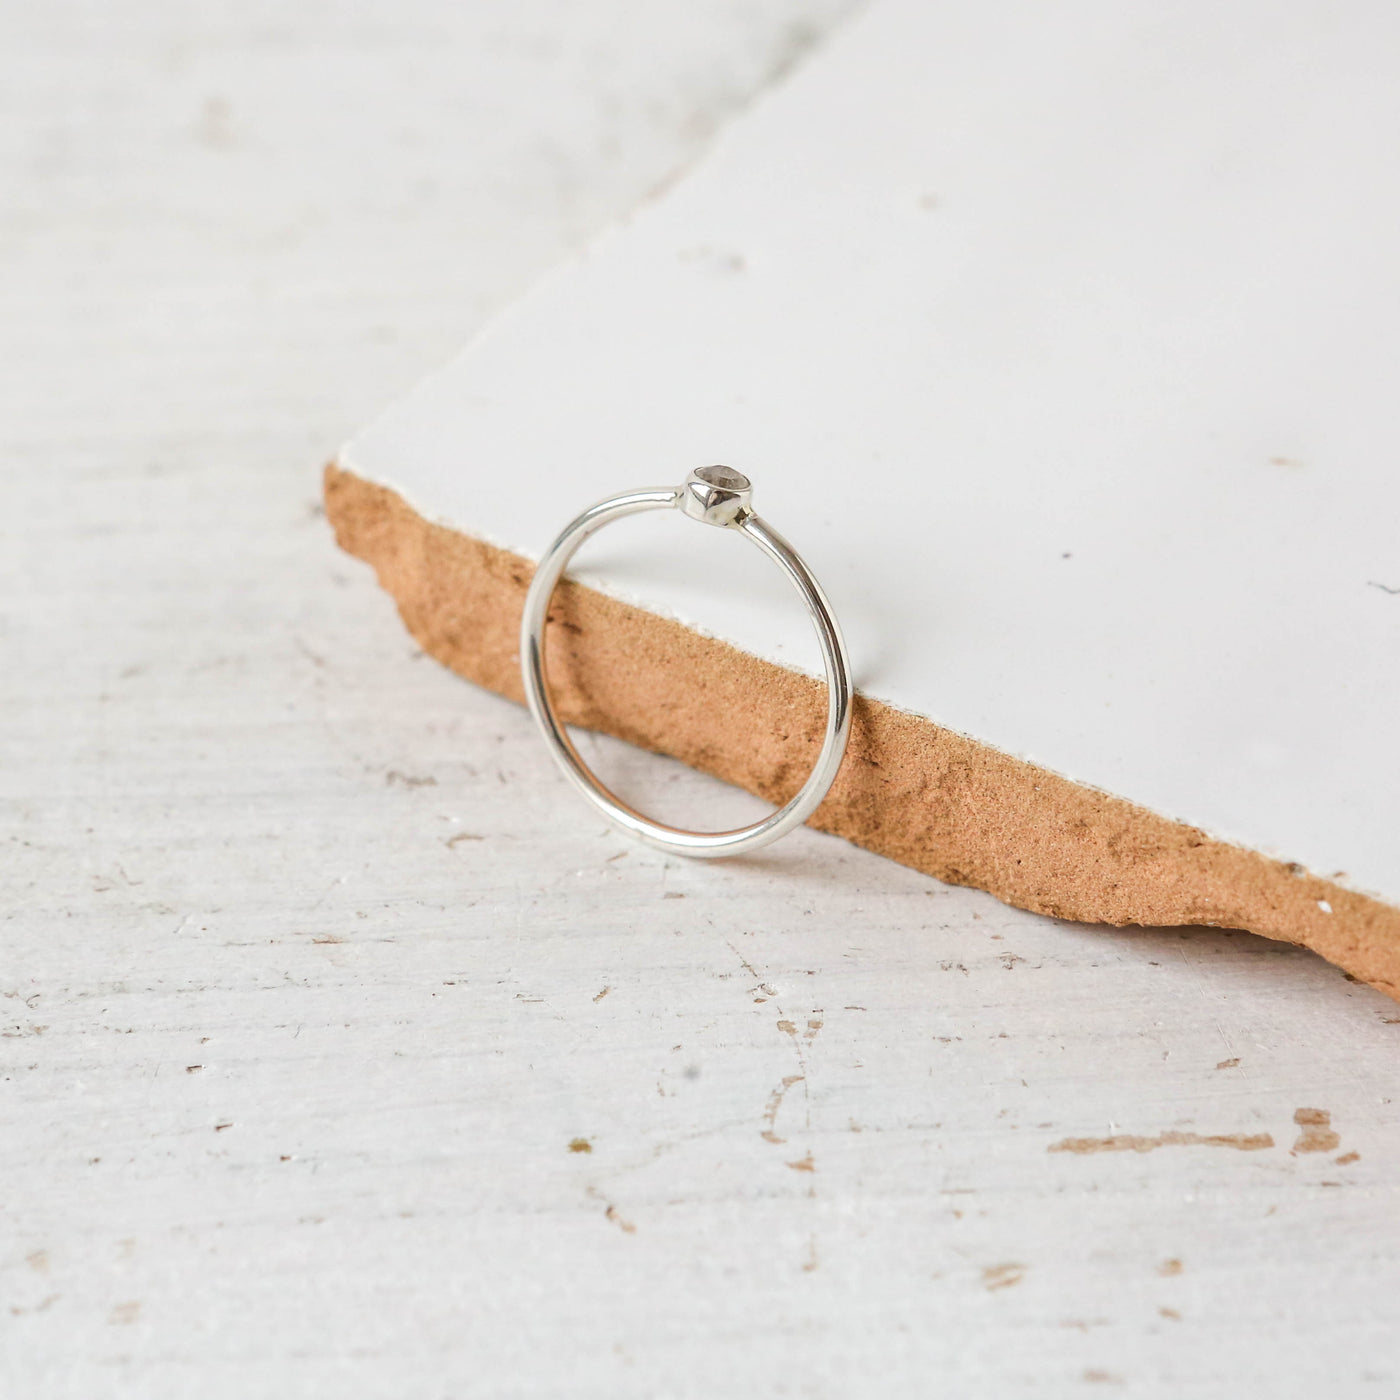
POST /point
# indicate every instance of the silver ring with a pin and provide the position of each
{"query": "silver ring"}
(715, 496)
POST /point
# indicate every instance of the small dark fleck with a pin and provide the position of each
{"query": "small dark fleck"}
(408, 780)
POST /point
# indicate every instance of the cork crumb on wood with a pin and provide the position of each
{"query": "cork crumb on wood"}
(909, 789)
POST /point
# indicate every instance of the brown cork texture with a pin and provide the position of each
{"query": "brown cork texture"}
(908, 789)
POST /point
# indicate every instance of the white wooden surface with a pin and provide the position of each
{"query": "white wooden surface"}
(1110, 365)
(312, 972)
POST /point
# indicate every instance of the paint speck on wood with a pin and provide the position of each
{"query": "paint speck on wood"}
(1318, 1134)
(775, 1102)
(1131, 1142)
(996, 1276)
(626, 1226)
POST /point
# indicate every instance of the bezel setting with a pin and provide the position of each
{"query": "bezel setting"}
(717, 495)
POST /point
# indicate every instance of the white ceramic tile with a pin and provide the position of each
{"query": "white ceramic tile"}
(1063, 341)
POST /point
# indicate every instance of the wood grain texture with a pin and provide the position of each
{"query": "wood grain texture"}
(312, 970)
(909, 789)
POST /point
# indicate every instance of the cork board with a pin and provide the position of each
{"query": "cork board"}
(1069, 372)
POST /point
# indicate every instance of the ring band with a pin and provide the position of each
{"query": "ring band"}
(715, 496)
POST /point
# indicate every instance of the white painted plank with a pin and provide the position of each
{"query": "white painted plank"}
(203, 710)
